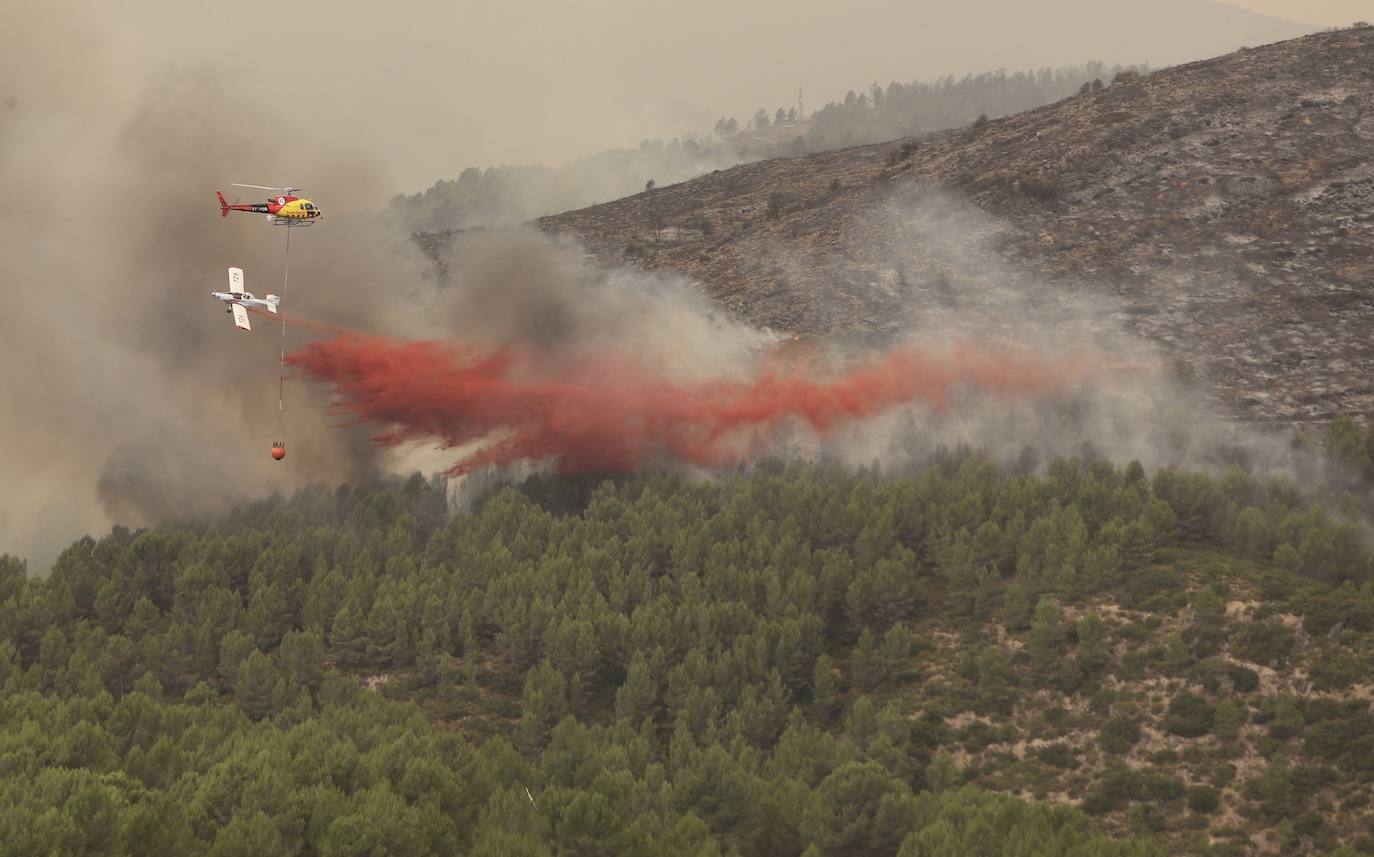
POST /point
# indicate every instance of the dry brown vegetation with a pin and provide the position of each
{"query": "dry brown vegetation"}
(1227, 206)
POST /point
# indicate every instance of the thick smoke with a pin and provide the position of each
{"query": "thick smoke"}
(536, 354)
(532, 337)
(129, 396)
(609, 411)
(519, 286)
(942, 271)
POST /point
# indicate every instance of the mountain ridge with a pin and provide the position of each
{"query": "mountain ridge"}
(1227, 204)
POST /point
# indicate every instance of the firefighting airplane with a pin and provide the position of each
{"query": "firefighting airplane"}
(282, 209)
(239, 300)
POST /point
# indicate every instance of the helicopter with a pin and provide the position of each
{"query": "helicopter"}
(283, 209)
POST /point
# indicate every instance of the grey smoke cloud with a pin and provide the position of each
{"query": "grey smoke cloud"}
(127, 395)
(131, 399)
(939, 277)
(518, 285)
(434, 86)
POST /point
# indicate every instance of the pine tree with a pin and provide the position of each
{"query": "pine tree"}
(347, 642)
(1046, 639)
(143, 620)
(1229, 718)
(959, 570)
(302, 661)
(1093, 646)
(574, 652)
(1101, 567)
(1288, 718)
(1176, 654)
(869, 666)
(861, 723)
(324, 596)
(427, 657)
(233, 649)
(1016, 608)
(943, 772)
(248, 835)
(388, 627)
(268, 616)
(1208, 631)
(897, 652)
(545, 703)
(53, 653)
(995, 691)
(825, 696)
(1346, 444)
(257, 686)
(637, 698)
(859, 808)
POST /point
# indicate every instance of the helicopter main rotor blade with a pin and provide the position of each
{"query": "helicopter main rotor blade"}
(281, 188)
(263, 186)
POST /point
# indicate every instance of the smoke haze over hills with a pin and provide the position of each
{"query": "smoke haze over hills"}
(433, 87)
(130, 398)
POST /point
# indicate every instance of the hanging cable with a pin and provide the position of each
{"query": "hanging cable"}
(281, 369)
(278, 447)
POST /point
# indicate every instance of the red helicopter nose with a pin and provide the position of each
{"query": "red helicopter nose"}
(278, 451)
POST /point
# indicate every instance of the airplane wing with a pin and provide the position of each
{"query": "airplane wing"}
(241, 317)
(236, 280)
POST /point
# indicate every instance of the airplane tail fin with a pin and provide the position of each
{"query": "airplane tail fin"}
(272, 302)
(223, 206)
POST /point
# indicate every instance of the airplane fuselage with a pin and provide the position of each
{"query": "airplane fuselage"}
(245, 299)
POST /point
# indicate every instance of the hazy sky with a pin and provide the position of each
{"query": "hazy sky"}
(1323, 13)
(434, 86)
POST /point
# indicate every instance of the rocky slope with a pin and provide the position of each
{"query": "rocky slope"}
(1223, 209)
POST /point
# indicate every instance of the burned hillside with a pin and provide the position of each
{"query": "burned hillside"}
(1223, 209)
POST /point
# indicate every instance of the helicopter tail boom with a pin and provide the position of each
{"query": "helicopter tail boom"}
(223, 206)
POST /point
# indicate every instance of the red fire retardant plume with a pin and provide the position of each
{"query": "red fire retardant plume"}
(603, 412)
